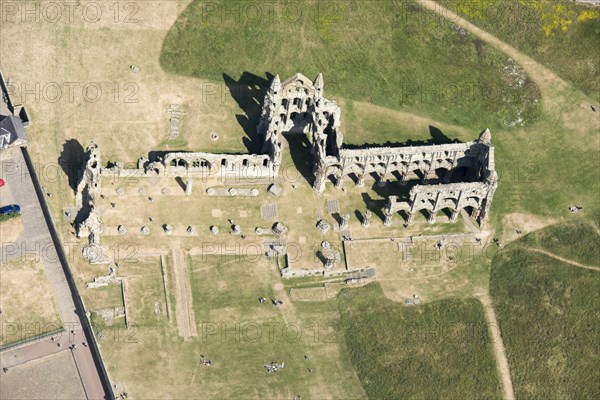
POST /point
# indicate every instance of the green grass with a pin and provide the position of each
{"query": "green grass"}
(577, 241)
(104, 297)
(433, 351)
(6, 217)
(372, 51)
(549, 313)
(146, 301)
(228, 301)
(573, 54)
(238, 334)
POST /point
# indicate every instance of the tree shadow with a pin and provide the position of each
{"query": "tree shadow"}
(71, 161)
(249, 93)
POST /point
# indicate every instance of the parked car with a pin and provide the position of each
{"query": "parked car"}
(2, 183)
(14, 208)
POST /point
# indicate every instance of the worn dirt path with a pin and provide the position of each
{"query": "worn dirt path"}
(502, 365)
(556, 93)
(545, 79)
(184, 312)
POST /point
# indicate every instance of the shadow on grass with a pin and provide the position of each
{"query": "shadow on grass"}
(249, 93)
(375, 206)
(71, 161)
(302, 158)
(437, 137)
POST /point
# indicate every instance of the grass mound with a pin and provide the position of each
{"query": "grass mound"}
(391, 54)
(438, 350)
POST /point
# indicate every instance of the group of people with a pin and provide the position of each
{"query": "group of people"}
(275, 302)
(274, 366)
(205, 361)
(72, 347)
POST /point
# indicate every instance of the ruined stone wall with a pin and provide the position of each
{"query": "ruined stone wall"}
(89, 178)
(474, 197)
(404, 163)
(88, 223)
(224, 166)
(297, 106)
(434, 198)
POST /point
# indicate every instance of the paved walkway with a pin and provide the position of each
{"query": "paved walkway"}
(36, 240)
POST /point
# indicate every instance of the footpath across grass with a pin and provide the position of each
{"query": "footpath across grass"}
(577, 241)
(439, 350)
(562, 35)
(549, 315)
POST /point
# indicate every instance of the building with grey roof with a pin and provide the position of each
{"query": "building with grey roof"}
(13, 120)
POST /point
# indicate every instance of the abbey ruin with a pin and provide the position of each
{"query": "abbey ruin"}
(463, 174)
(446, 178)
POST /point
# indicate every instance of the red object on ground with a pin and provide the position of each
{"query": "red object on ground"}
(2, 183)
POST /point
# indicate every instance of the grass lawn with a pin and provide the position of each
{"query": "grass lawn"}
(376, 52)
(236, 332)
(26, 300)
(562, 35)
(549, 313)
(433, 351)
(577, 241)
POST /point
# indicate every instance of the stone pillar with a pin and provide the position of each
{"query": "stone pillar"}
(188, 186)
(361, 181)
(380, 179)
(329, 260)
(344, 221)
(431, 219)
(319, 183)
(367, 218)
(388, 219)
(454, 215)
(339, 181)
